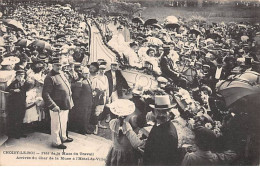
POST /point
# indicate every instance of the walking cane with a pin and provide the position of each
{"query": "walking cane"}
(60, 133)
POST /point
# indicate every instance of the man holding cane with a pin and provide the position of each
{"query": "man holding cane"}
(58, 98)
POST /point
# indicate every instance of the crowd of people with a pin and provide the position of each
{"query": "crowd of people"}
(31, 37)
(44, 51)
(190, 59)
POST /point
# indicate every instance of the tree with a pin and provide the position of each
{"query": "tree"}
(126, 8)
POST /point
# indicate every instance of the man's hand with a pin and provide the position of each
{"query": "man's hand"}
(56, 109)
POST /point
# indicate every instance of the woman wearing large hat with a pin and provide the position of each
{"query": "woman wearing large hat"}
(125, 140)
(162, 142)
(205, 141)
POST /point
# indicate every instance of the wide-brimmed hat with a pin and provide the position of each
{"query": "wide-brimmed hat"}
(122, 107)
(162, 102)
(12, 60)
(6, 63)
(206, 88)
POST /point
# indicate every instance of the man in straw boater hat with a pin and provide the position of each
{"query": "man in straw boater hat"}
(162, 142)
(57, 96)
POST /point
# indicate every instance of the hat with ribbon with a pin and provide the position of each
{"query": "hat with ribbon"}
(122, 107)
(162, 102)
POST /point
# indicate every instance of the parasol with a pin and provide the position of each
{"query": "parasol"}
(14, 24)
(138, 20)
(171, 19)
(41, 44)
(239, 86)
(172, 26)
(157, 26)
(23, 43)
(150, 22)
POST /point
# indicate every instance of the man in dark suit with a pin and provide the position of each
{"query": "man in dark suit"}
(16, 105)
(116, 82)
(167, 68)
(161, 148)
(217, 73)
(57, 96)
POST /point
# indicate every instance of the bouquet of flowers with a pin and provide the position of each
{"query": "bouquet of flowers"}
(205, 121)
(185, 134)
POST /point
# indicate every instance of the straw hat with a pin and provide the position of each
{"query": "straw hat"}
(162, 102)
(122, 107)
(6, 63)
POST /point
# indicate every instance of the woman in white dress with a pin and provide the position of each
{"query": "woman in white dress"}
(31, 114)
(118, 41)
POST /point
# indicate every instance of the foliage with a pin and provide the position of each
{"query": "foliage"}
(129, 8)
(123, 8)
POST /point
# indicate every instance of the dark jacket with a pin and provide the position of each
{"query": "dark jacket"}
(57, 91)
(16, 100)
(82, 94)
(121, 83)
(167, 68)
(161, 148)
